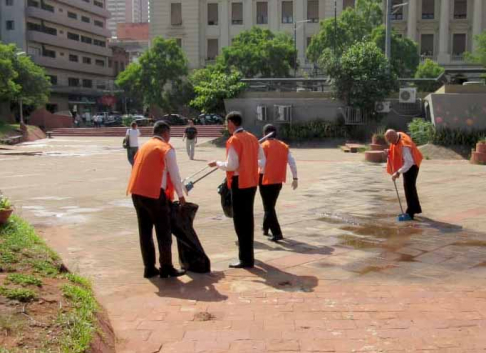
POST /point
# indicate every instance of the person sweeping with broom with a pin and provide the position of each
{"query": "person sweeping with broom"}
(404, 158)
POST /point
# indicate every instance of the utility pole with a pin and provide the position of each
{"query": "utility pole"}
(388, 29)
(335, 26)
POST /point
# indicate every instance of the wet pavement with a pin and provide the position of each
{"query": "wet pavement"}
(347, 277)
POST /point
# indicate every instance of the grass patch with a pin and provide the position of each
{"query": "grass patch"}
(23, 280)
(20, 294)
(76, 279)
(8, 129)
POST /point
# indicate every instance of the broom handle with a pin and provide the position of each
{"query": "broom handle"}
(215, 169)
(399, 201)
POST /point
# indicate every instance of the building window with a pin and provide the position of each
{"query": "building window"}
(73, 82)
(47, 7)
(99, 43)
(53, 79)
(72, 15)
(212, 14)
(313, 10)
(73, 58)
(213, 48)
(460, 9)
(458, 46)
(176, 14)
(348, 3)
(34, 51)
(122, 66)
(98, 23)
(87, 83)
(110, 63)
(86, 40)
(179, 42)
(100, 63)
(86, 60)
(33, 3)
(8, 2)
(10, 25)
(49, 53)
(117, 70)
(427, 45)
(85, 19)
(73, 36)
(287, 12)
(397, 12)
(237, 13)
(100, 84)
(428, 9)
(262, 13)
(97, 3)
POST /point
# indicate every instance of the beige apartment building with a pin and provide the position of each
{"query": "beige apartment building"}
(69, 39)
(126, 11)
(444, 29)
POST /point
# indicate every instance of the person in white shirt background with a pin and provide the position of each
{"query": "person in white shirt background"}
(133, 134)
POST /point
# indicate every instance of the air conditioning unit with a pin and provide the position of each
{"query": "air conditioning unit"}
(408, 95)
(262, 113)
(283, 113)
(382, 107)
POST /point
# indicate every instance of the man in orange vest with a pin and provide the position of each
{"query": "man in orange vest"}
(405, 158)
(243, 158)
(155, 176)
(277, 156)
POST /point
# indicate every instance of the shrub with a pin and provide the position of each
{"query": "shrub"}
(5, 203)
(314, 130)
(379, 136)
(421, 131)
(449, 137)
(127, 120)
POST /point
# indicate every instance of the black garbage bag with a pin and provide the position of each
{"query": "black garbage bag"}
(226, 199)
(191, 253)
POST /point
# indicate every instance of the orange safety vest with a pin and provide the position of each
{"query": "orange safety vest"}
(395, 154)
(147, 171)
(246, 147)
(277, 155)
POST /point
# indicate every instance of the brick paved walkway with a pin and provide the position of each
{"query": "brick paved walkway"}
(347, 278)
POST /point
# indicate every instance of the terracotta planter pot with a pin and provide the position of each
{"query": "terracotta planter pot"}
(377, 147)
(481, 147)
(5, 215)
(378, 140)
(375, 156)
(478, 158)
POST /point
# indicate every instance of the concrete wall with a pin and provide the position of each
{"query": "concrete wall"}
(47, 121)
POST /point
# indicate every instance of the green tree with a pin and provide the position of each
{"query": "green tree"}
(21, 79)
(212, 86)
(404, 52)
(362, 76)
(353, 25)
(158, 71)
(479, 55)
(259, 52)
(428, 69)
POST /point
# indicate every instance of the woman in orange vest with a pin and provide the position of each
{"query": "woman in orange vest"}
(405, 158)
(277, 157)
(243, 158)
(155, 176)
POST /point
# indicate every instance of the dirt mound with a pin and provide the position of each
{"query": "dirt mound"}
(34, 133)
(430, 151)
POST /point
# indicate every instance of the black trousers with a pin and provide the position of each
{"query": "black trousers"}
(269, 194)
(150, 213)
(410, 186)
(243, 201)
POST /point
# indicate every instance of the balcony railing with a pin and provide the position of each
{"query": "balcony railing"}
(457, 57)
(425, 57)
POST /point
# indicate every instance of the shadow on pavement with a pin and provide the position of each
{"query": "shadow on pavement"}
(443, 227)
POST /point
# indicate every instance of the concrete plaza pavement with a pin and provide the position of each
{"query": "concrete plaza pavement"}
(347, 277)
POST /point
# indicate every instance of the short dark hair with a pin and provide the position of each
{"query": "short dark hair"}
(133, 124)
(269, 128)
(235, 118)
(160, 127)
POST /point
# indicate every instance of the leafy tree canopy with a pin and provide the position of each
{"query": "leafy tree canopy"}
(212, 86)
(428, 69)
(362, 76)
(479, 55)
(158, 71)
(259, 52)
(20, 78)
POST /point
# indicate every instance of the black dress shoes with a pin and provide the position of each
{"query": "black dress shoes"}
(276, 238)
(240, 264)
(150, 272)
(171, 272)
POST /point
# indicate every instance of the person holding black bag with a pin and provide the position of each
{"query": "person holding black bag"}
(131, 142)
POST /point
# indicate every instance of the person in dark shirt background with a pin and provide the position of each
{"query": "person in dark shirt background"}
(190, 135)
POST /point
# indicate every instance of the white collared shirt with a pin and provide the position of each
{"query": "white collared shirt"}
(173, 169)
(232, 162)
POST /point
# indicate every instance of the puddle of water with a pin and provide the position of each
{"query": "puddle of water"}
(472, 242)
(382, 231)
(357, 243)
(370, 269)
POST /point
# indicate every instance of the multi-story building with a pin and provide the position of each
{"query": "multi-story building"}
(69, 39)
(444, 29)
(133, 38)
(126, 11)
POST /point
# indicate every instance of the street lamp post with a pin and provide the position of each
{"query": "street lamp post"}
(21, 105)
(335, 26)
(390, 9)
(295, 44)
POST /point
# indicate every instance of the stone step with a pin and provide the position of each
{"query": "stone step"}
(176, 131)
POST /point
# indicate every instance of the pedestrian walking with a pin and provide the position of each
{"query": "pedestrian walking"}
(132, 135)
(190, 135)
(272, 176)
(243, 158)
(405, 158)
(155, 177)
